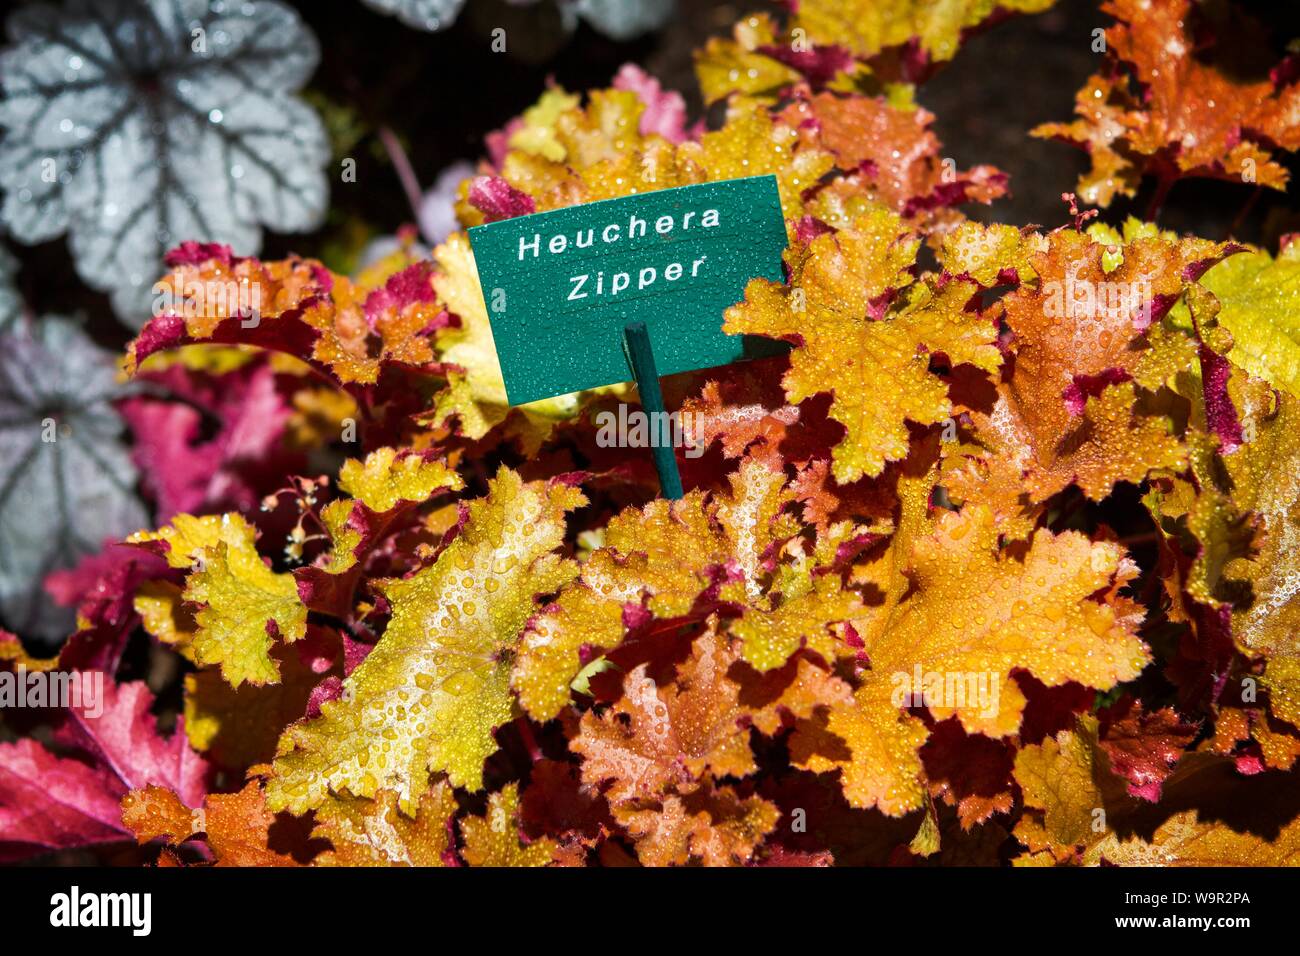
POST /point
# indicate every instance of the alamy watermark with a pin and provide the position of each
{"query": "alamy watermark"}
(635, 428)
(81, 690)
(1083, 298)
(133, 911)
(958, 690)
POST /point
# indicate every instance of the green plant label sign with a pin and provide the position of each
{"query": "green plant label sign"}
(560, 286)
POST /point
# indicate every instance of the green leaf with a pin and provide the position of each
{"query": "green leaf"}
(1260, 299)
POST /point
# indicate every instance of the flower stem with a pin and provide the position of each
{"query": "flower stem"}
(405, 173)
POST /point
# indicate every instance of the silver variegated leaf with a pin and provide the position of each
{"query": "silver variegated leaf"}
(133, 125)
(67, 483)
(624, 19)
(430, 15)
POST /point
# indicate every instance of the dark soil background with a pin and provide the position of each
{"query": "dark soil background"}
(440, 93)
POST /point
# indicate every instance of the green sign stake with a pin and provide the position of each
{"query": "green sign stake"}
(636, 344)
(563, 287)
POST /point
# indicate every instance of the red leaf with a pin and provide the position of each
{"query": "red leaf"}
(52, 802)
(1144, 747)
(186, 471)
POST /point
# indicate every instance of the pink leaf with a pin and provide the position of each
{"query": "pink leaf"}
(665, 111)
(1143, 747)
(102, 588)
(1220, 412)
(51, 802)
(497, 199)
(123, 737)
(188, 468)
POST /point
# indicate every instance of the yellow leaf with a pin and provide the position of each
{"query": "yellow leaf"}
(973, 616)
(242, 597)
(769, 637)
(429, 695)
(187, 536)
(1222, 531)
(751, 144)
(374, 832)
(928, 837)
(1057, 778)
(482, 401)
(1185, 840)
(494, 840)
(163, 614)
(244, 606)
(868, 26)
(344, 539)
(537, 133)
(731, 66)
(1265, 480)
(384, 479)
(984, 252)
(875, 365)
(605, 156)
(667, 554)
(1260, 298)
(1265, 474)
(1282, 679)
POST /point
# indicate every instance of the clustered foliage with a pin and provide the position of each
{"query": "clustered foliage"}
(1065, 461)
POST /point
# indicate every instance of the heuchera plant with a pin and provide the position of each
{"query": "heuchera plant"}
(996, 565)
